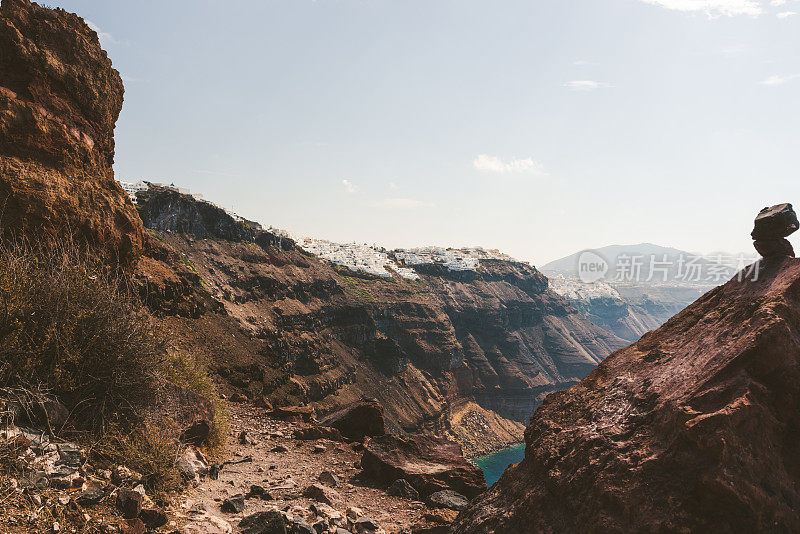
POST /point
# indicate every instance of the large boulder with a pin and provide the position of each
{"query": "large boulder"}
(691, 429)
(364, 418)
(771, 227)
(59, 102)
(428, 463)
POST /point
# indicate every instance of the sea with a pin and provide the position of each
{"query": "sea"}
(494, 464)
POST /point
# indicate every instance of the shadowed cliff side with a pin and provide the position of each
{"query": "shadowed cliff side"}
(692, 429)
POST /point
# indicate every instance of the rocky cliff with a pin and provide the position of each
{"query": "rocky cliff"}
(443, 353)
(629, 319)
(692, 429)
(59, 101)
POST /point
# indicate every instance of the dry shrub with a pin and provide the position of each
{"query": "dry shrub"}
(74, 324)
(191, 373)
(75, 327)
(150, 449)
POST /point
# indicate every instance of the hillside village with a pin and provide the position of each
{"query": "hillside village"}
(575, 289)
(361, 257)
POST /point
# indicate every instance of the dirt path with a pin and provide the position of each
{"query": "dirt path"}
(285, 467)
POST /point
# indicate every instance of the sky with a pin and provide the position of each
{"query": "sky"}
(539, 127)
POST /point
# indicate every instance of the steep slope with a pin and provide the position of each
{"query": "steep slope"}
(692, 429)
(59, 101)
(318, 333)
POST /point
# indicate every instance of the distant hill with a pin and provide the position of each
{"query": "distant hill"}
(568, 266)
(645, 284)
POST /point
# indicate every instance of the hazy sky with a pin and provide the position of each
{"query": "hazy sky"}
(538, 127)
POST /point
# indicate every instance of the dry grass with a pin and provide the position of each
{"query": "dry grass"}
(71, 323)
(75, 328)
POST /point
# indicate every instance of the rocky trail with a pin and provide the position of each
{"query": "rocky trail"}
(271, 481)
(316, 484)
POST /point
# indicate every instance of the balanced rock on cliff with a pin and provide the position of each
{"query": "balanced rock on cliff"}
(772, 226)
(691, 429)
(59, 101)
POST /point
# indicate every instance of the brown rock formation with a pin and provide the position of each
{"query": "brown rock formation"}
(59, 101)
(356, 421)
(428, 463)
(770, 229)
(692, 429)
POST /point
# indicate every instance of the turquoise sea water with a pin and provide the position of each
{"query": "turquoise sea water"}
(494, 464)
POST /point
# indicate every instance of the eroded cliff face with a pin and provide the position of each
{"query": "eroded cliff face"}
(450, 350)
(59, 101)
(691, 429)
(628, 319)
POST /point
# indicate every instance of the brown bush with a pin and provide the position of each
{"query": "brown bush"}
(73, 324)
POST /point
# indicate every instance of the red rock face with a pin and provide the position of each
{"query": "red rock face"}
(59, 101)
(692, 429)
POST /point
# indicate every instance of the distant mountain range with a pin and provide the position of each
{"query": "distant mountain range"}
(642, 286)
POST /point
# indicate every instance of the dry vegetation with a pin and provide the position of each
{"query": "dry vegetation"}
(73, 330)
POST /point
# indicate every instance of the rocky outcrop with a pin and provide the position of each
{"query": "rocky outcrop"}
(166, 209)
(691, 429)
(59, 101)
(630, 319)
(428, 463)
(359, 420)
(771, 228)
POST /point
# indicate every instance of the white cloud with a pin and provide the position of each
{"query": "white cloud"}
(349, 186)
(786, 14)
(585, 85)
(105, 37)
(713, 8)
(580, 62)
(486, 163)
(778, 3)
(402, 203)
(779, 80)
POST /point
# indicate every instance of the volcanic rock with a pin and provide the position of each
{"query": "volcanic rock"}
(193, 412)
(775, 222)
(269, 522)
(401, 488)
(59, 101)
(153, 517)
(329, 479)
(771, 227)
(90, 496)
(322, 494)
(769, 248)
(448, 499)
(428, 463)
(129, 503)
(233, 505)
(691, 429)
(364, 418)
